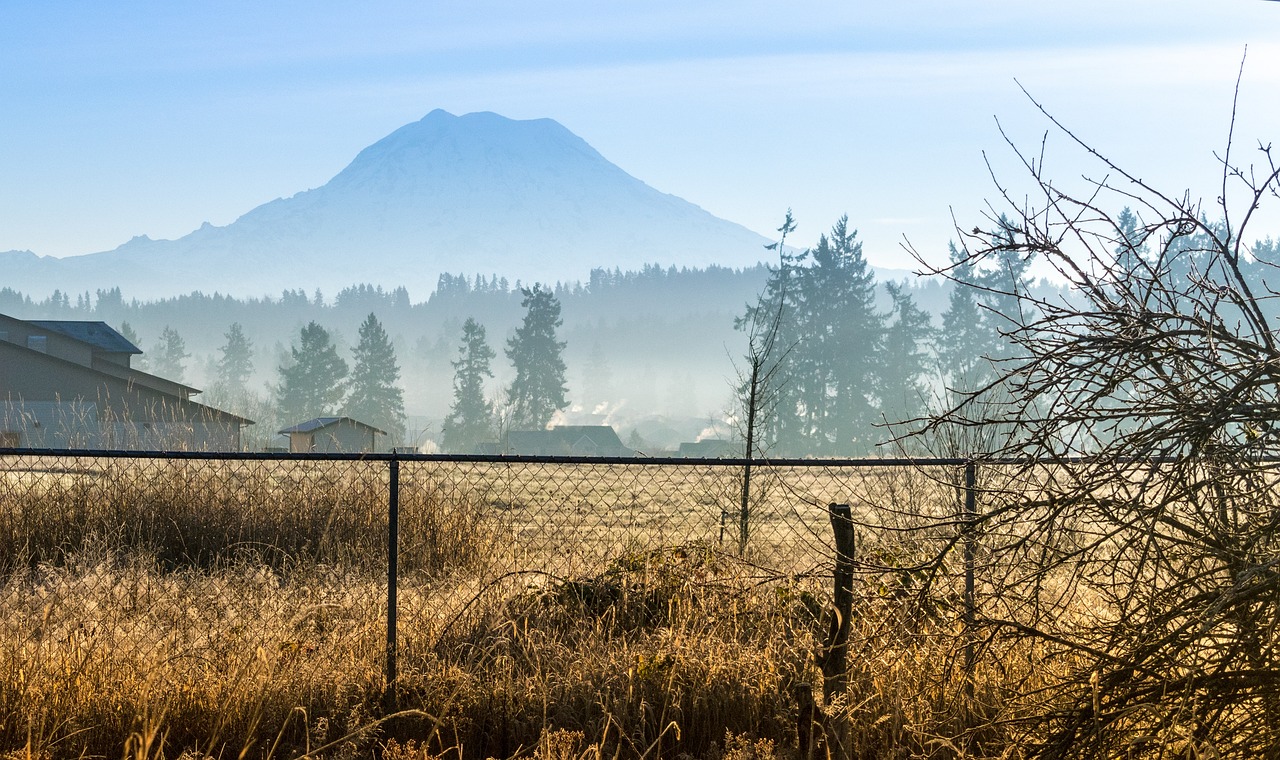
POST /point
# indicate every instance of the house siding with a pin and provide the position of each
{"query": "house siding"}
(48, 400)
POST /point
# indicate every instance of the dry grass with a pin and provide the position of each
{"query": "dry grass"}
(170, 609)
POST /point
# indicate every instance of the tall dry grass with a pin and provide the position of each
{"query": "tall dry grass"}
(662, 655)
(208, 514)
(163, 609)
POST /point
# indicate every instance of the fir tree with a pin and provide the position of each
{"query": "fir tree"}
(830, 338)
(314, 382)
(376, 398)
(235, 366)
(906, 357)
(470, 420)
(1004, 285)
(129, 334)
(842, 346)
(538, 390)
(168, 355)
(968, 338)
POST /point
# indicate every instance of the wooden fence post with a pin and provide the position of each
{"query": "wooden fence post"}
(835, 675)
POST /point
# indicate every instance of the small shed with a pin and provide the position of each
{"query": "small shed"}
(333, 435)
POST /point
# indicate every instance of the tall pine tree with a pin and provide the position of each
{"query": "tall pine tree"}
(969, 338)
(375, 397)
(538, 390)
(314, 382)
(169, 355)
(843, 339)
(832, 337)
(906, 360)
(470, 420)
(235, 365)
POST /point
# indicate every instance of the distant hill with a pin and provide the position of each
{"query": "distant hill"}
(478, 193)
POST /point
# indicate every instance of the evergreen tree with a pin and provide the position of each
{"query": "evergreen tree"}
(906, 358)
(139, 361)
(538, 390)
(1005, 285)
(376, 398)
(129, 333)
(235, 366)
(768, 396)
(840, 352)
(168, 355)
(313, 383)
(1131, 245)
(470, 419)
(968, 338)
(829, 340)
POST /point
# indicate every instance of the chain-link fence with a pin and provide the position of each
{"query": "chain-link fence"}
(318, 572)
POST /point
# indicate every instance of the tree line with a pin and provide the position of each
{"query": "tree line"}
(860, 354)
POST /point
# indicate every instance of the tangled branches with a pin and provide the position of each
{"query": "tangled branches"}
(1133, 541)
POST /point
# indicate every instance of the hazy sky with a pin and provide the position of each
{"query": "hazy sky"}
(131, 118)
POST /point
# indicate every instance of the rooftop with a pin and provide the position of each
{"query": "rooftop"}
(100, 335)
(323, 422)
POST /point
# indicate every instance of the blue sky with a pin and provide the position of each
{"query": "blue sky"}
(124, 119)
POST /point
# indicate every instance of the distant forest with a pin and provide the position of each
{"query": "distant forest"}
(654, 353)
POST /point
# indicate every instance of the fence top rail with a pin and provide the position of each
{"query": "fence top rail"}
(274, 456)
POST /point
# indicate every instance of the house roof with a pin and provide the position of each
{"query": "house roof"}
(568, 438)
(100, 335)
(311, 426)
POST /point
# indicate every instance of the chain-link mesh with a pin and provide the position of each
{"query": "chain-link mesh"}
(133, 582)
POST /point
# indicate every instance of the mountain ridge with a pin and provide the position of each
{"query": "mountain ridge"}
(477, 193)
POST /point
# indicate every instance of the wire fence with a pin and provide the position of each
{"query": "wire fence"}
(307, 564)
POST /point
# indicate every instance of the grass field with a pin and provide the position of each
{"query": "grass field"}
(157, 608)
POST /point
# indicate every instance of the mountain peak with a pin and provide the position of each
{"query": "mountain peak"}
(526, 199)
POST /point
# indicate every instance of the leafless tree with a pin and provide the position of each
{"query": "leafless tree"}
(1131, 523)
(760, 376)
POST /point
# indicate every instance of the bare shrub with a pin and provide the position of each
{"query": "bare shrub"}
(1142, 577)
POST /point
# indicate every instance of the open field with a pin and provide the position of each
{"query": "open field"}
(156, 608)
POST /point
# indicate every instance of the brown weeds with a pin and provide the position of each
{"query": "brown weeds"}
(164, 610)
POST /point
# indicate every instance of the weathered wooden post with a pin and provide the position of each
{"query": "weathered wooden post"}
(835, 654)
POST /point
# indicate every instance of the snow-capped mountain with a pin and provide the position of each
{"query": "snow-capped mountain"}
(478, 193)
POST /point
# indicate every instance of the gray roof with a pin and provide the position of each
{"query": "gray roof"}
(324, 422)
(568, 439)
(100, 335)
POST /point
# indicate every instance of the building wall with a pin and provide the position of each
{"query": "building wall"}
(128, 415)
(19, 332)
(50, 424)
(341, 437)
(345, 437)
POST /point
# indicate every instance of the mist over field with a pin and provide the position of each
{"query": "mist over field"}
(449, 219)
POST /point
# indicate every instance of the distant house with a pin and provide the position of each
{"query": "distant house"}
(707, 448)
(67, 384)
(568, 440)
(333, 435)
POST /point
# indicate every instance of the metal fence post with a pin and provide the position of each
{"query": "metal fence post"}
(393, 560)
(969, 526)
